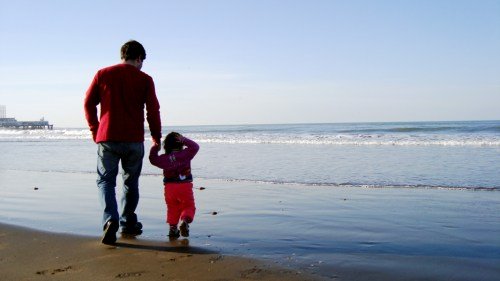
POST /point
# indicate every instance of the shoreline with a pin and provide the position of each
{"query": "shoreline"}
(344, 233)
(27, 254)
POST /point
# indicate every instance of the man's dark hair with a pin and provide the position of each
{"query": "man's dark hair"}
(133, 50)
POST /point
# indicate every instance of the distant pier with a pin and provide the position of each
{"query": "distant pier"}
(12, 123)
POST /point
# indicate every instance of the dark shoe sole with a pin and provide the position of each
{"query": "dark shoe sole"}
(134, 230)
(109, 236)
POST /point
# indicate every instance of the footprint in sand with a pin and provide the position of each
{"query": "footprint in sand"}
(130, 274)
(55, 271)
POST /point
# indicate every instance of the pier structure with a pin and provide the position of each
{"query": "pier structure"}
(26, 125)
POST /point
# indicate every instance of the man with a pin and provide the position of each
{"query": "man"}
(122, 90)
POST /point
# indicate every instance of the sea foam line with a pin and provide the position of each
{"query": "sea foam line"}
(293, 183)
(355, 185)
(357, 142)
(483, 140)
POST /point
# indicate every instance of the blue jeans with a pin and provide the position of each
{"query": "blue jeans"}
(109, 155)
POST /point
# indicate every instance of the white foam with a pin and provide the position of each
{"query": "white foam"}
(56, 134)
(356, 140)
(259, 137)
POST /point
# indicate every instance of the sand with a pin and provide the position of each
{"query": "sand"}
(260, 231)
(27, 254)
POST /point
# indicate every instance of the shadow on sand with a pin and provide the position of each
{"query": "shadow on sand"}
(177, 246)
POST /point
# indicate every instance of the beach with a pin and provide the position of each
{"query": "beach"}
(388, 201)
(34, 255)
(339, 234)
(326, 140)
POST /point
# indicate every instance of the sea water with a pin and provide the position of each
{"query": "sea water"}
(457, 155)
(321, 197)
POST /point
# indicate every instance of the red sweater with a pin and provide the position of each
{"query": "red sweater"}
(122, 90)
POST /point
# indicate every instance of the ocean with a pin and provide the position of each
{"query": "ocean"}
(455, 155)
(325, 198)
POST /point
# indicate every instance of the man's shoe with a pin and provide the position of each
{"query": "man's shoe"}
(135, 229)
(184, 228)
(110, 229)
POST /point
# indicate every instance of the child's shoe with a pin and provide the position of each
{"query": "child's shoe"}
(184, 228)
(173, 233)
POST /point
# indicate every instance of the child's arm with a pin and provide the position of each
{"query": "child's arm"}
(156, 159)
(161, 161)
(190, 151)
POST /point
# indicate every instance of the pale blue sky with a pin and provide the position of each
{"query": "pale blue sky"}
(259, 61)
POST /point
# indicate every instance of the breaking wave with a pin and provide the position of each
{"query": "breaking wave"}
(473, 133)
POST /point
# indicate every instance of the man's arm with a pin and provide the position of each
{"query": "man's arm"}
(153, 113)
(91, 101)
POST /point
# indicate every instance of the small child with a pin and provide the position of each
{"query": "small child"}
(178, 180)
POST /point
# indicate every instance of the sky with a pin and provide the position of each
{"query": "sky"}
(261, 61)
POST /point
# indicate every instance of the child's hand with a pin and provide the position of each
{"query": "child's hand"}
(155, 144)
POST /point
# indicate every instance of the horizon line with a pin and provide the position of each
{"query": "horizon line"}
(311, 123)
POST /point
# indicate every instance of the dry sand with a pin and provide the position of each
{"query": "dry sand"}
(27, 254)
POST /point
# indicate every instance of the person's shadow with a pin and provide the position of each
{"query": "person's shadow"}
(177, 246)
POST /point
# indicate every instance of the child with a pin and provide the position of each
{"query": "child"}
(178, 181)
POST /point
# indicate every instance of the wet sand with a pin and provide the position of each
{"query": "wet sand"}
(27, 254)
(329, 233)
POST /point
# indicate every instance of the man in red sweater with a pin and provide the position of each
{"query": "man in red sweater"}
(122, 91)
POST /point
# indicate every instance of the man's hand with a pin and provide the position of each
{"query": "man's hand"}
(94, 135)
(156, 142)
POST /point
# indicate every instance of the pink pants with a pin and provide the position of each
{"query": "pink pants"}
(180, 202)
